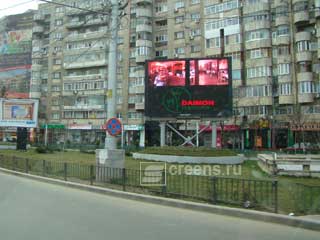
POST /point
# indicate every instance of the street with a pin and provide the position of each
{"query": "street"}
(33, 210)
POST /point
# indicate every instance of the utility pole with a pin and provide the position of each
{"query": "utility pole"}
(110, 141)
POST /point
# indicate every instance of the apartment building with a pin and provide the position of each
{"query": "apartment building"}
(70, 64)
(274, 51)
(273, 46)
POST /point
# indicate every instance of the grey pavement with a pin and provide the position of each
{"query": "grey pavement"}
(32, 210)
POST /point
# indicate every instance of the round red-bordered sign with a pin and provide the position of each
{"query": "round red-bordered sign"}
(113, 126)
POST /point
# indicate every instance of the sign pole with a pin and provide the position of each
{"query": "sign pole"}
(214, 134)
(46, 135)
(110, 141)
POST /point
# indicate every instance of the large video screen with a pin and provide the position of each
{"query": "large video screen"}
(188, 87)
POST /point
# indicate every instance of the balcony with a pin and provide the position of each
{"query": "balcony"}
(305, 98)
(144, 28)
(282, 20)
(305, 77)
(262, 24)
(139, 106)
(75, 24)
(258, 7)
(85, 64)
(143, 1)
(84, 107)
(142, 58)
(317, 13)
(282, 40)
(144, 43)
(289, 99)
(83, 77)
(85, 36)
(258, 62)
(278, 3)
(143, 12)
(284, 78)
(302, 36)
(38, 17)
(260, 43)
(37, 29)
(301, 17)
(305, 56)
(74, 11)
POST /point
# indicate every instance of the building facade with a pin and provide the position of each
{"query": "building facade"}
(273, 46)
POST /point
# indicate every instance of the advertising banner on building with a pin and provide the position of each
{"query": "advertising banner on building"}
(188, 88)
(14, 42)
(18, 112)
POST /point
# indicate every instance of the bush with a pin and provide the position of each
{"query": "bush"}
(189, 151)
(41, 149)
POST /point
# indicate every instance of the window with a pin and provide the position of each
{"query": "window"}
(217, 24)
(55, 88)
(257, 35)
(195, 32)
(238, 38)
(226, 39)
(56, 75)
(257, 16)
(57, 61)
(195, 2)
(235, 56)
(162, 38)
(195, 48)
(262, 71)
(179, 4)
(303, 46)
(285, 89)
(135, 115)
(58, 22)
(161, 8)
(143, 51)
(179, 35)
(162, 53)
(195, 16)
(283, 30)
(55, 115)
(283, 50)
(57, 36)
(300, 6)
(179, 19)
(213, 42)
(236, 74)
(306, 87)
(59, 9)
(304, 67)
(255, 53)
(221, 7)
(179, 50)
(284, 69)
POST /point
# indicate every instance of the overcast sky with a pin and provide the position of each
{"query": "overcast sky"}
(8, 7)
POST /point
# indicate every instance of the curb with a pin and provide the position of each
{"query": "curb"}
(214, 209)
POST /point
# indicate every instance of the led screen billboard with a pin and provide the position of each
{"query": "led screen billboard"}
(18, 112)
(188, 88)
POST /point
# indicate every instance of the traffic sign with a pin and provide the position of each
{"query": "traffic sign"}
(114, 126)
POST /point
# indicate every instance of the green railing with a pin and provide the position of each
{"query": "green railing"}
(256, 194)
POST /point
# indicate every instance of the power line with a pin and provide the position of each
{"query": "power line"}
(74, 7)
(16, 5)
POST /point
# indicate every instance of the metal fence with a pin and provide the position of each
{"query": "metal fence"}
(307, 199)
(256, 194)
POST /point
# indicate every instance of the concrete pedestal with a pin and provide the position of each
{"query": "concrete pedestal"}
(110, 163)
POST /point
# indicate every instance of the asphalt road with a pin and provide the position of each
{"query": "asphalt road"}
(32, 210)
